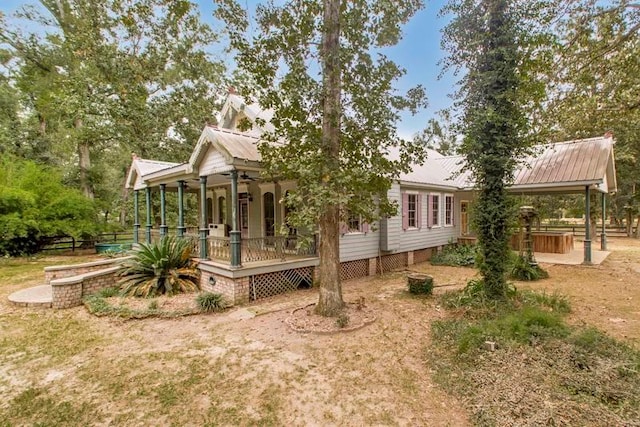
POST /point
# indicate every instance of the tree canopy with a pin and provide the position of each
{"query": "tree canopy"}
(320, 66)
(102, 79)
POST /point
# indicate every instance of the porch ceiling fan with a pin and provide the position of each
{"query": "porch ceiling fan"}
(244, 176)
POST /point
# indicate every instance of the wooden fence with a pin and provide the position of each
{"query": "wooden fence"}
(579, 230)
(68, 243)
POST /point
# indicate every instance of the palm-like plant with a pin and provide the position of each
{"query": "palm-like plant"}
(162, 268)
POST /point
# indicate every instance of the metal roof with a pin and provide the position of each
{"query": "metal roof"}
(430, 173)
(564, 166)
(141, 167)
(232, 145)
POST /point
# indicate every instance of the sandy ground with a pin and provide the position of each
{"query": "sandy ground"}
(247, 367)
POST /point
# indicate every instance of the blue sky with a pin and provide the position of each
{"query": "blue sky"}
(419, 53)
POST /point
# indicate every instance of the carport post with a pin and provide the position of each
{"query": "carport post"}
(587, 226)
(603, 236)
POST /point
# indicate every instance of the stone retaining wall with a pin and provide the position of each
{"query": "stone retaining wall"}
(68, 291)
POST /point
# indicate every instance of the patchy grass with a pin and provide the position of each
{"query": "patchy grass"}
(37, 406)
(543, 370)
(50, 336)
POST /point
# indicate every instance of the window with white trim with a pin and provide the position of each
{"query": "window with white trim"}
(448, 209)
(435, 210)
(354, 224)
(412, 210)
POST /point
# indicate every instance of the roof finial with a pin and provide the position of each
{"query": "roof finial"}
(232, 90)
(608, 135)
(134, 156)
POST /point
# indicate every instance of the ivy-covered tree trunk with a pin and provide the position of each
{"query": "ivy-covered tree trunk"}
(493, 124)
(330, 294)
(496, 126)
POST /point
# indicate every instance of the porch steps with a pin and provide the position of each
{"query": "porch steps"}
(37, 297)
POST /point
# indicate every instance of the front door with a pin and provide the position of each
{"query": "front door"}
(243, 212)
(464, 218)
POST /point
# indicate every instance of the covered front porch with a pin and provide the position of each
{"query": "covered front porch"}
(242, 228)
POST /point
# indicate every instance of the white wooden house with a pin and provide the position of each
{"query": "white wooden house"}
(241, 254)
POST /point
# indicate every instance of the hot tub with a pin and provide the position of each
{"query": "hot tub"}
(112, 247)
(553, 242)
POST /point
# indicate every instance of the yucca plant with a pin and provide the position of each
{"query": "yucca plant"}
(161, 268)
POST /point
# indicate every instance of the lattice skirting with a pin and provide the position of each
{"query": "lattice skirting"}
(279, 282)
(391, 262)
(421, 255)
(354, 269)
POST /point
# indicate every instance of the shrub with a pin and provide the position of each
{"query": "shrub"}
(34, 204)
(162, 268)
(525, 271)
(210, 302)
(455, 255)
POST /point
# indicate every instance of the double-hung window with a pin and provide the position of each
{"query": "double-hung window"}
(448, 210)
(435, 210)
(412, 210)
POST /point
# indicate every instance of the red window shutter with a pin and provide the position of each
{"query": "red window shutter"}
(430, 211)
(419, 210)
(344, 228)
(405, 208)
(365, 227)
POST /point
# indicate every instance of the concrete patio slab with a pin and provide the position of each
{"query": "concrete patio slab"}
(575, 257)
(37, 296)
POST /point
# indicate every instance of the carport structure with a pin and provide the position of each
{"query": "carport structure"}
(569, 167)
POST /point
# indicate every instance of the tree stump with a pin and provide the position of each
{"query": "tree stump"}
(420, 284)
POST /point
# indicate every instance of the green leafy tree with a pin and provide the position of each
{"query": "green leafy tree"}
(35, 204)
(494, 125)
(102, 79)
(593, 86)
(320, 66)
(439, 135)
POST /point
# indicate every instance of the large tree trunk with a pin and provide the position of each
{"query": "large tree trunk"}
(84, 163)
(330, 301)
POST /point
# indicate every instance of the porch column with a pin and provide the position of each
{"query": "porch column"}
(603, 236)
(204, 231)
(136, 216)
(181, 227)
(587, 228)
(236, 238)
(164, 229)
(148, 202)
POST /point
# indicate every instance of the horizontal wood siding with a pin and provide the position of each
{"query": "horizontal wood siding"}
(425, 237)
(212, 162)
(360, 245)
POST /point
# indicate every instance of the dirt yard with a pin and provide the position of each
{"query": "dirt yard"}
(246, 367)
